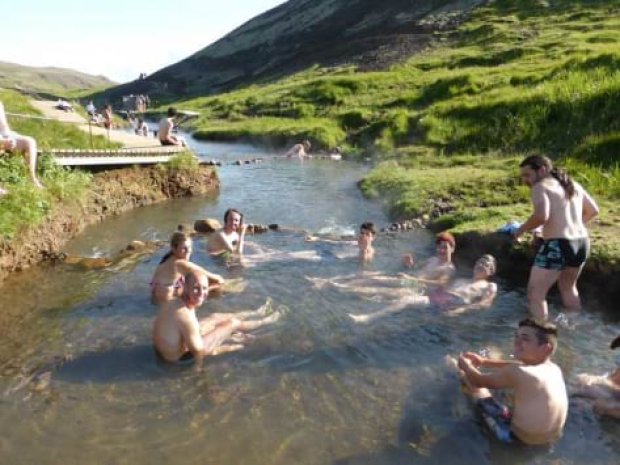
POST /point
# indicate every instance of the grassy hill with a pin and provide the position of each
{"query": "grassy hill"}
(517, 76)
(53, 81)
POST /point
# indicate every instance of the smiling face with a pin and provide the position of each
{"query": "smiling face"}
(196, 290)
(528, 348)
(233, 220)
(444, 251)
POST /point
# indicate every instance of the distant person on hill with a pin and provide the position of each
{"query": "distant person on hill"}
(107, 117)
(562, 207)
(300, 150)
(166, 125)
(141, 128)
(64, 105)
(91, 110)
(13, 142)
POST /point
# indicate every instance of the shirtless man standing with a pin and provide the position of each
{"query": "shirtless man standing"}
(165, 135)
(178, 334)
(540, 400)
(231, 237)
(563, 208)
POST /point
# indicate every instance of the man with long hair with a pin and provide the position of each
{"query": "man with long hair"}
(562, 207)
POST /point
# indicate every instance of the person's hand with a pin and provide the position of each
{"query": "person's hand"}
(242, 228)
(464, 363)
(475, 359)
(217, 278)
(409, 260)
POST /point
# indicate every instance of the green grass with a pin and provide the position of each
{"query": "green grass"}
(26, 206)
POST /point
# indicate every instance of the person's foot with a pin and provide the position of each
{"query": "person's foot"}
(275, 316)
(266, 308)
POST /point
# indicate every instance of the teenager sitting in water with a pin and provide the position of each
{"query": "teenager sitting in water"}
(231, 238)
(438, 269)
(462, 295)
(540, 401)
(364, 241)
(178, 334)
(602, 390)
(167, 282)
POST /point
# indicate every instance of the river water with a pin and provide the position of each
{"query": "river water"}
(79, 383)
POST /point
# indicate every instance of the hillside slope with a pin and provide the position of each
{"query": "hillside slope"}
(55, 81)
(302, 33)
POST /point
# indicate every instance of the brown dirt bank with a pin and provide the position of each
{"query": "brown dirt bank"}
(599, 283)
(111, 193)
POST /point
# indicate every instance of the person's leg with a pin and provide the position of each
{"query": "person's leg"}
(28, 145)
(567, 284)
(411, 300)
(263, 310)
(217, 336)
(255, 324)
(538, 286)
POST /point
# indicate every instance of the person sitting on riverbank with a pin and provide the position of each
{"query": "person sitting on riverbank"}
(438, 269)
(13, 142)
(231, 238)
(64, 105)
(459, 297)
(540, 400)
(167, 281)
(364, 241)
(300, 150)
(603, 391)
(107, 117)
(166, 125)
(179, 335)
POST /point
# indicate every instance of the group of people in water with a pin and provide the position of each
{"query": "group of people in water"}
(540, 401)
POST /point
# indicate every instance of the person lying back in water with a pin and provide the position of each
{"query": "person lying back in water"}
(364, 241)
(462, 295)
(603, 391)
(167, 282)
(179, 334)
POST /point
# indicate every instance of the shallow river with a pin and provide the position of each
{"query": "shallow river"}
(79, 382)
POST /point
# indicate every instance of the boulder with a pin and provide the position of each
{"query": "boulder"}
(207, 226)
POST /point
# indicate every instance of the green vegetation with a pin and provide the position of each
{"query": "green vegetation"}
(52, 81)
(453, 121)
(24, 205)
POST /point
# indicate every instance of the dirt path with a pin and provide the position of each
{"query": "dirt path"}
(49, 110)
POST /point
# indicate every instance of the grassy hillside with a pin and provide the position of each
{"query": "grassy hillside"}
(25, 205)
(54, 81)
(518, 76)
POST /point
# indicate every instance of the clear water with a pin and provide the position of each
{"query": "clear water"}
(79, 382)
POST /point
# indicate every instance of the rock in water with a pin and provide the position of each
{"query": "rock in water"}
(207, 226)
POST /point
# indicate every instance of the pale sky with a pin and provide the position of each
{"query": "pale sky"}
(117, 38)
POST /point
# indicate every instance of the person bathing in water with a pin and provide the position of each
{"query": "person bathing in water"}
(540, 400)
(563, 208)
(603, 390)
(438, 269)
(178, 334)
(231, 238)
(301, 150)
(462, 295)
(364, 241)
(167, 281)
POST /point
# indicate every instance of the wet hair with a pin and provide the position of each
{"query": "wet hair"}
(228, 212)
(446, 237)
(540, 161)
(190, 280)
(368, 226)
(615, 343)
(491, 260)
(172, 111)
(306, 143)
(546, 333)
(176, 240)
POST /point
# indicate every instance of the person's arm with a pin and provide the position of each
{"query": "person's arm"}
(185, 266)
(193, 339)
(485, 362)
(504, 377)
(311, 238)
(590, 208)
(539, 217)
